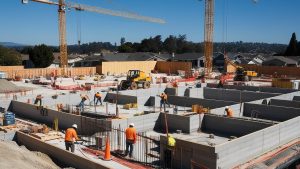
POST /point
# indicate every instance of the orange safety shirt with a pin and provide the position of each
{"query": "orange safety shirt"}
(71, 134)
(229, 113)
(164, 96)
(131, 134)
(97, 95)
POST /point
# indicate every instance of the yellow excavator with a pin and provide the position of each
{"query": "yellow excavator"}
(135, 79)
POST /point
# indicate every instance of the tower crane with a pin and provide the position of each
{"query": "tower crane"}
(208, 34)
(63, 6)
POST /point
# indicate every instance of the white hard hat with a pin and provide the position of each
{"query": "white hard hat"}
(227, 107)
(74, 126)
(131, 124)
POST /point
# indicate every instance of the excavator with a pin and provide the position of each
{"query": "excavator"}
(135, 79)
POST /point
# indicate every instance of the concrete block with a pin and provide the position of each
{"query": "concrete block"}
(122, 99)
(296, 98)
(275, 113)
(188, 102)
(284, 103)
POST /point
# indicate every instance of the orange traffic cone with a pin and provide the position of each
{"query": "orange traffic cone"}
(107, 150)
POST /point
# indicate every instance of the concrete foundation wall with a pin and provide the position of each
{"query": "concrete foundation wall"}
(275, 113)
(235, 95)
(67, 158)
(142, 123)
(186, 151)
(86, 125)
(284, 103)
(194, 92)
(175, 122)
(231, 126)
(296, 98)
(255, 88)
(122, 99)
(188, 102)
(243, 149)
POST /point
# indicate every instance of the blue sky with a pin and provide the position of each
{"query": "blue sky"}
(271, 21)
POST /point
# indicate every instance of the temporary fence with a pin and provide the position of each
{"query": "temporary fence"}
(146, 150)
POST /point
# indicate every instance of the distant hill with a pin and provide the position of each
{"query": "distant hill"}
(11, 44)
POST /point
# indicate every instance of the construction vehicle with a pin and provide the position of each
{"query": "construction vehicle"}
(243, 75)
(135, 79)
(240, 73)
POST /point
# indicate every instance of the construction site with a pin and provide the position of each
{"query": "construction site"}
(183, 117)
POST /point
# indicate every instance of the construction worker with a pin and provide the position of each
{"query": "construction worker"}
(222, 81)
(228, 111)
(97, 98)
(83, 99)
(71, 137)
(163, 100)
(169, 152)
(130, 139)
(38, 98)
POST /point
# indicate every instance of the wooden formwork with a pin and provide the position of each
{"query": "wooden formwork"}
(173, 67)
(123, 67)
(274, 70)
(30, 73)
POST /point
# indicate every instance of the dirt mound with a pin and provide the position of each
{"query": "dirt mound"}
(14, 156)
(7, 86)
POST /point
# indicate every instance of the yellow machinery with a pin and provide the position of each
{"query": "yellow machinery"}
(135, 79)
(244, 75)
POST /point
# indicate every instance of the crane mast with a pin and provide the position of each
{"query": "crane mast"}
(208, 35)
(62, 34)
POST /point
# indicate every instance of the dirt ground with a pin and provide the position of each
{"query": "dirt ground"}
(19, 157)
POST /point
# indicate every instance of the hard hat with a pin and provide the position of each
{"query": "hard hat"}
(131, 124)
(227, 107)
(74, 126)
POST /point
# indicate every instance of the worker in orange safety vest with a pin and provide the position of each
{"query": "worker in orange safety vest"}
(130, 139)
(71, 137)
(97, 98)
(228, 111)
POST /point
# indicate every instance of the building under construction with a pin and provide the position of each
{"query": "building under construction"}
(262, 132)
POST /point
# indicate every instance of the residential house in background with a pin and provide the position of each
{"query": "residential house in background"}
(281, 61)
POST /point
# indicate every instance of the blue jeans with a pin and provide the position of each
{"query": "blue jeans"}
(129, 148)
(81, 105)
(98, 100)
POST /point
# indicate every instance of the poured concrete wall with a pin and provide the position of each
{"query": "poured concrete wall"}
(122, 99)
(243, 149)
(284, 103)
(65, 157)
(175, 122)
(194, 92)
(188, 102)
(185, 151)
(296, 98)
(275, 113)
(231, 126)
(86, 125)
(142, 123)
(254, 88)
(235, 95)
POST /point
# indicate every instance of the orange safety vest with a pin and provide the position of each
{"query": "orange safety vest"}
(229, 113)
(164, 96)
(97, 95)
(130, 134)
(71, 134)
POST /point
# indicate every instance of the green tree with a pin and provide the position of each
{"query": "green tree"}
(122, 41)
(170, 44)
(41, 56)
(126, 48)
(291, 50)
(9, 57)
